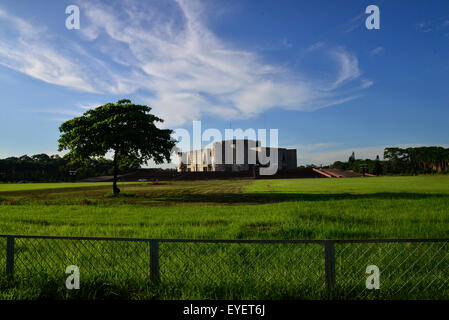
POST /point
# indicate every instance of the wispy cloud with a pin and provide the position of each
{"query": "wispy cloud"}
(287, 44)
(24, 48)
(349, 67)
(433, 24)
(316, 46)
(377, 51)
(87, 106)
(174, 61)
(61, 115)
(424, 27)
(60, 112)
(354, 23)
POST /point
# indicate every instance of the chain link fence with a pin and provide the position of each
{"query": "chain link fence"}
(233, 269)
(413, 269)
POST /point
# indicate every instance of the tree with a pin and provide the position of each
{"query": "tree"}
(126, 129)
(377, 170)
(352, 157)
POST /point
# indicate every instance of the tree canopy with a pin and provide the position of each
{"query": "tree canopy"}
(418, 160)
(127, 130)
(402, 161)
(45, 168)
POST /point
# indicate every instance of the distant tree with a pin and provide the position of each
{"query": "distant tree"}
(25, 158)
(40, 157)
(126, 129)
(352, 157)
(46, 168)
(402, 161)
(339, 165)
(377, 169)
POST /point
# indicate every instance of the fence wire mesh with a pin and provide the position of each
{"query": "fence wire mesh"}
(407, 269)
(280, 270)
(97, 259)
(214, 269)
(2, 255)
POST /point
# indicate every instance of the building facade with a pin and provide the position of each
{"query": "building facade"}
(236, 155)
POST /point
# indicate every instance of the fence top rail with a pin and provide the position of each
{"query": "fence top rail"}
(316, 241)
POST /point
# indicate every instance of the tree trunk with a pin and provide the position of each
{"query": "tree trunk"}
(115, 189)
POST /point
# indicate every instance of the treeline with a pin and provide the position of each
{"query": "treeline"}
(42, 167)
(417, 160)
(420, 160)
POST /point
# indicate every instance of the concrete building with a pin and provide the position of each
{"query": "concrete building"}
(235, 155)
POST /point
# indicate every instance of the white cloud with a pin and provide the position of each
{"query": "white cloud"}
(89, 105)
(177, 65)
(349, 67)
(366, 83)
(66, 114)
(316, 46)
(22, 48)
(377, 51)
(354, 23)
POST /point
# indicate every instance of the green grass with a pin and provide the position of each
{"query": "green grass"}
(385, 207)
(7, 187)
(355, 208)
(357, 186)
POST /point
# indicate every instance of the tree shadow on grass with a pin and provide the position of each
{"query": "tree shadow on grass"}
(199, 196)
(261, 198)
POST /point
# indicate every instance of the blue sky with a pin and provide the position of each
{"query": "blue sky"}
(308, 68)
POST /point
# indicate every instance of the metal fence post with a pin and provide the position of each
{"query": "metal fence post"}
(329, 264)
(154, 261)
(10, 256)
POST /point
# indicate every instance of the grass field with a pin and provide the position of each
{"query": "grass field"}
(234, 209)
(356, 208)
(7, 187)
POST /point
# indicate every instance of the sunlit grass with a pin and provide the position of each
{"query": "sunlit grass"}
(238, 209)
(356, 208)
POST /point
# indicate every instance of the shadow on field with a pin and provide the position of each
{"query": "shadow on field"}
(259, 198)
(204, 194)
